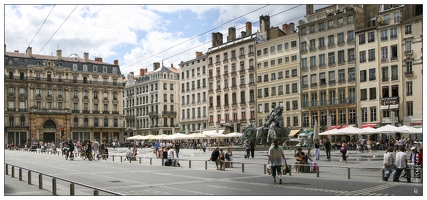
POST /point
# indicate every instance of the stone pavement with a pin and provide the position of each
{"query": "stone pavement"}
(364, 166)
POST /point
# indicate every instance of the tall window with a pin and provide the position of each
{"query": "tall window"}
(410, 108)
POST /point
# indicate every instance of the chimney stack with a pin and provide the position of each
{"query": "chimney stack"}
(198, 54)
(86, 56)
(116, 62)
(231, 34)
(248, 28)
(29, 52)
(216, 39)
(285, 28)
(99, 59)
(291, 28)
(172, 66)
(141, 72)
(243, 34)
(309, 9)
(264, 23)
(156, 66)
(58, 54)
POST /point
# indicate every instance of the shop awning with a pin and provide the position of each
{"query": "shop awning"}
(293, 133)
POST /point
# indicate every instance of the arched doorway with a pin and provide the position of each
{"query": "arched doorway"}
(49, 134)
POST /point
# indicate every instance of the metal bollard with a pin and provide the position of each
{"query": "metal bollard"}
(348, 171)
(243, 167)
(29, 177)
(318, 170)
(290, 170)
(72, 191)
(189, 163)
(40, 181)
(151, 161)
(206, 165)
(113, 158)
(13, 172)
(20, 174)
(54, 186)
(383, 173)
(7, 169)
(95, 193)
(139, 160)
(121, 158)
(163, 161)
(265, 168)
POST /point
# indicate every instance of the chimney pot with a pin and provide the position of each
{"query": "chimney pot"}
(141, 72)
(249, 28)
(29, 52)
(86, 56)
(116, 62)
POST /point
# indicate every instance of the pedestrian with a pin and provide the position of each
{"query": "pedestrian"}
(95, 147)
(388, 163)
(361, 143)
(420, 158)
(252, 145)
(248, 150)
(275, 156)
(215, 157)
(412, 162)
(114, 144)
(128, 153)
(157, 147)
(228, 155)
(222, 159)
(310, 161)
(204, 146)
(328, 149)
(316, 149)
(177, 146)
(299, 159)
(343, 151)
(171, 157)
(400, 163)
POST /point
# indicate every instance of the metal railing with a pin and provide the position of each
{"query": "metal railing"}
(96, 190)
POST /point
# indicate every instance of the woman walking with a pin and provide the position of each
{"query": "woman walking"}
(343, 151)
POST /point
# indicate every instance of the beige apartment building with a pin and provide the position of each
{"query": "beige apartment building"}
(388, 48)
(231, 82)
(328, 65)
(151, 104)
(277, 71)
(193, 94)
(52, 98)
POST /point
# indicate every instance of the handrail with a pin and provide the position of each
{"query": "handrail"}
(96, 189)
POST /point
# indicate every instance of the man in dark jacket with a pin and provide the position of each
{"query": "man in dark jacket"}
(215, 157)
(328, 149)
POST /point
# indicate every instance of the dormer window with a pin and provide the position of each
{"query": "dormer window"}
(104, 69)
(74, 67)
(114, 70)
(95, 68)
(85, 68)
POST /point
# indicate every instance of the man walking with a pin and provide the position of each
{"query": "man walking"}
(252, 145)
(95, 147)
(317, 149)
(361, 142)
(275, 156)
(328, 149)
(388, 163)
(177, 145)
(401, 158)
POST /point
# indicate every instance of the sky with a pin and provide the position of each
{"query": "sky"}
(137, 35)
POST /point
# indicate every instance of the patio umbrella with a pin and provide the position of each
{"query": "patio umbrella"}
(193, 136)
(158, 137)
(388, 129)
(132, 137)
(146, 137)
(329, 132)
(173, 137)
(234, 134)
(417, 131)
(349, 131)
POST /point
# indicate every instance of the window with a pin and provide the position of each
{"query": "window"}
(331, 76)
(313, 80)
(384, 54)
(362, 56)
(371, 37)
(408, 29)
(340, 21)
(371, 54)
(350, 19)
(408, 47)
(384, 74)
(330, 23)
(313, 62)
(409, 88)
(393, 33)
(304, 63)
(340, 38)
(293, 44)
(410, 108)
(362, 75)
(303, 31)
(279, 60)
(341, 59)
(312, 29)
(383, 35)
(385, 91)
(394, 72)
(362, 38)
(265, 51)
(341, 76)
(294, 87)
(331, 40)
(321, 42)
(294, 58)
(372, 75)
(351, 74)
(396, 17)
(322, 60)
(322, 78)
(373, 114)
(104, 69)
(321, 26)
(372, 93)
(286, 45)
(279, 47)
(395, 90)
(258, 52)
(393, 52)
(331, 58)
(363, 94)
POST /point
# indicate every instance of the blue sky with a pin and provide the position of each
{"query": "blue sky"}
(135, 35)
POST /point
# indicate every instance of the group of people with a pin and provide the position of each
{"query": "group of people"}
(302, 158)
(222, 159)
(86, 148)
(401, 163)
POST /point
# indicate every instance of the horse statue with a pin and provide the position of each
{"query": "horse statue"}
(249, 133)
(273, 128)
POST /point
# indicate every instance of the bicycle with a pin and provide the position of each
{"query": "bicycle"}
(88, 155)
